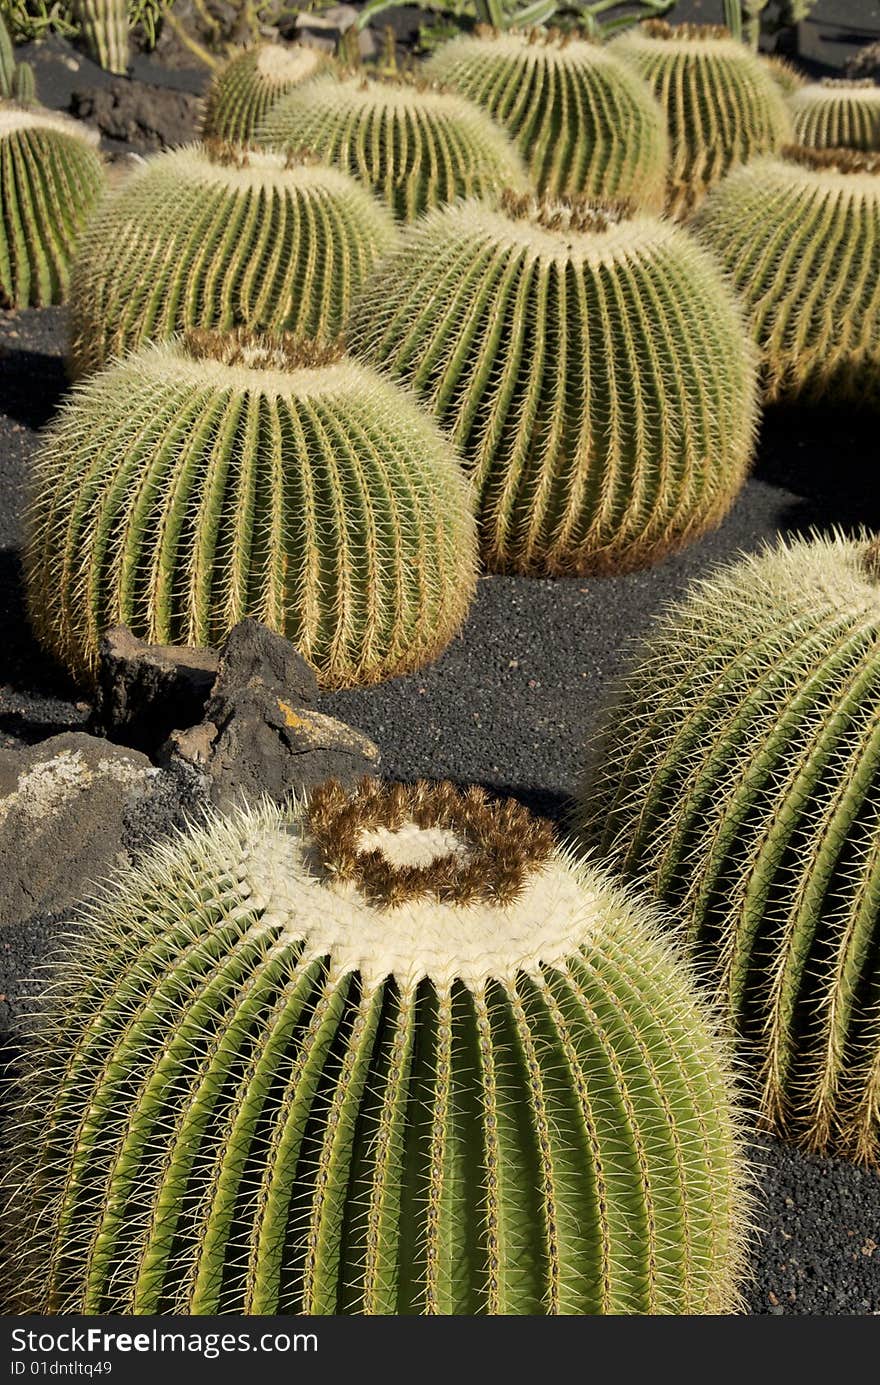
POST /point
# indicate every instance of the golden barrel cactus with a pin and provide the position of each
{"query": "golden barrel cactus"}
(243, 92)
(591, 364)
(799, 238)
(51, 176)
(739, 781)
(387, 1053)
(214, 237)
(228, 475)
(722, 105)
(583, 120)
(837, 113)
(415, 145)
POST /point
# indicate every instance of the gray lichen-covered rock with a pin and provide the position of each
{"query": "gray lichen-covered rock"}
(62, 807)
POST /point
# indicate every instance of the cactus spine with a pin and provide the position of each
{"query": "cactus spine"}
(722, 106)
(192, 485)
(837, 114)
(51, 176)
(417, 146)
(800, 238)
(739, 781)
(211, 238)
(245, 90)
(584, 122)
(592, 366)
(105, 29)
(393, 1053)
(785, 74)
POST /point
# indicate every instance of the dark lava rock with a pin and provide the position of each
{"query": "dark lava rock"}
(62, 804)
(146, 691)
(260, 735)
(325, 30)
(254, 655)
(263, 745)
(147, 117)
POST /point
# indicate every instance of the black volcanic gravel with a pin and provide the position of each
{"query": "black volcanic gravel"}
(512, 704)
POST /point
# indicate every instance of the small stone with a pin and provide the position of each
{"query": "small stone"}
(265, 745)
(324, 30)
(194, 745)
(338, 17)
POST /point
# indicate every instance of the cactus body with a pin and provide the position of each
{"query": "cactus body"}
(415, 146)
(51, 176)
(16, 79)
(583, 121)
(190, 486)
(105, 29)
(800, 238)
(837, 114)
(243, 93)
(7, 60)
(740, 780)
(593, 369)
(722, 106)
(24, 90)
(325, 1062)
(196, 239)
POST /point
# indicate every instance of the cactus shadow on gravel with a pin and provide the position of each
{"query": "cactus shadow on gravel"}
(36, 696)
(826, 457)
(18, 398)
